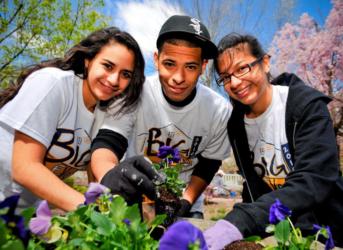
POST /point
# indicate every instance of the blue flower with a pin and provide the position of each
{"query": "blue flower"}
(13, 221)
(278, 212)
(172, 154)
(94, 191)
(180, 235)
(329, 244)
(127, 221)
(40, 225)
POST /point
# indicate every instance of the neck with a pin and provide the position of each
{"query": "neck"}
(262, 104)
(88, 97)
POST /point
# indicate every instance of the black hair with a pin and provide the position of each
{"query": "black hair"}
(74, 60)
(180, 39)
(234, 39)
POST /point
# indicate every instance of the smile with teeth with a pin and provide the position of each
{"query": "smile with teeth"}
(242, 92)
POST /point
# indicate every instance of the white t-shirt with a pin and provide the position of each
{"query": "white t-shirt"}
(49, 108)
(268, 142)
(199, 127)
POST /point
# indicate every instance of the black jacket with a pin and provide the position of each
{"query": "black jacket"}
(313, 190)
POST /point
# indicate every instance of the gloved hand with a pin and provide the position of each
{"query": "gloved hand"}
(221, 234)
(132, 178)
(184, 209)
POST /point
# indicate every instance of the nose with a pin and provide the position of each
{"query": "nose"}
(235, 81)
(179, 76)
(113, 78)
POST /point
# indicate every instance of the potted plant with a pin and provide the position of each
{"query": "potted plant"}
(170, 191)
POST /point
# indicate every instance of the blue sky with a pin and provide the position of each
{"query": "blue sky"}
(143, 18)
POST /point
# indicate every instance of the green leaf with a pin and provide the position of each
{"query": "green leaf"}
(159, 218)
(253, 238)
(13, 245)
(118, 209)
(282, 231)
(103, 223)
(133, 214)
(27, 214)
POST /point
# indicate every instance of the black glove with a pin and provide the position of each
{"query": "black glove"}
(132, 178)
(184, 209)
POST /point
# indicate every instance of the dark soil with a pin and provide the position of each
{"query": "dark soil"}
(169, 204)
(246, 245)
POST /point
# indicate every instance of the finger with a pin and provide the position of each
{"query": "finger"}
(141, 182)
(148, 169)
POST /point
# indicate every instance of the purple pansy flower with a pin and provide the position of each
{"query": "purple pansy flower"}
(166, 151)
(13, 221)
(94, 191)
(180, 235)
(278, 212)
(40, 225)
(329, 244)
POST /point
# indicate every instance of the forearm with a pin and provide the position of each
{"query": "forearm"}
(194, 189)
(44, 184)
(102, 161)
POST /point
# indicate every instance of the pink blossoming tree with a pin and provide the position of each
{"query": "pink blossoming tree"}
(315, 54)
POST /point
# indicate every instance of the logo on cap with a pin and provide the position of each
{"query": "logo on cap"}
(196, 25)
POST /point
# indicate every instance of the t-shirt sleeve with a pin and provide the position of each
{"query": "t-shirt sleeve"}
(121, 124)
(219, 147)
(36, 108)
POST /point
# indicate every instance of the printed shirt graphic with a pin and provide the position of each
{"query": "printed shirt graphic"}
(268, 142)
(199, 127)
(53, 113)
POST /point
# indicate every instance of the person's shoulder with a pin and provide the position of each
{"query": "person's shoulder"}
(208, 94)
(53, 72)
(53, 76)
(152, 80)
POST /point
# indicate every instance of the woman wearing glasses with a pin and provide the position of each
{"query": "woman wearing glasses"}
(284, 145)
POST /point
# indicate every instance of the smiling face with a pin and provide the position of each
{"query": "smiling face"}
(253, 88)
(179, 68)
(109, 74)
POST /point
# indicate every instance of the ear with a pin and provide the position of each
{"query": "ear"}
(266, 63)
(156, 60)
(203, 66)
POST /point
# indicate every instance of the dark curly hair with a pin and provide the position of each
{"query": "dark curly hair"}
(74, 60)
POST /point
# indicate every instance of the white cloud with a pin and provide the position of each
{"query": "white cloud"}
(143, 20)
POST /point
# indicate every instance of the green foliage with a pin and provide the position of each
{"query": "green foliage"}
(171, 171)
(288, 237)
(107, 224)
(35, 30)
(8, 238)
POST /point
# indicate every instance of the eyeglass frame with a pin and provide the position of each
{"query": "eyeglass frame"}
(221, 82)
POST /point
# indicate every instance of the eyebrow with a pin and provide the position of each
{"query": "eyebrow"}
(235, 65)
(192, 64)
(108, 61)
(113, 64)
(187, 63)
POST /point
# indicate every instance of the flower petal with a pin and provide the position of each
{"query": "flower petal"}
(278, 212)
(94, 191)
(180, 235)
(10, 202)
(41, 224)
(43, 210)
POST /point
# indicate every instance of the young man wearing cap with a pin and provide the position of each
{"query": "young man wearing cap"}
(174, 111)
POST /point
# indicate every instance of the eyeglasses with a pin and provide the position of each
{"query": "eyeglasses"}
(241, 71)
